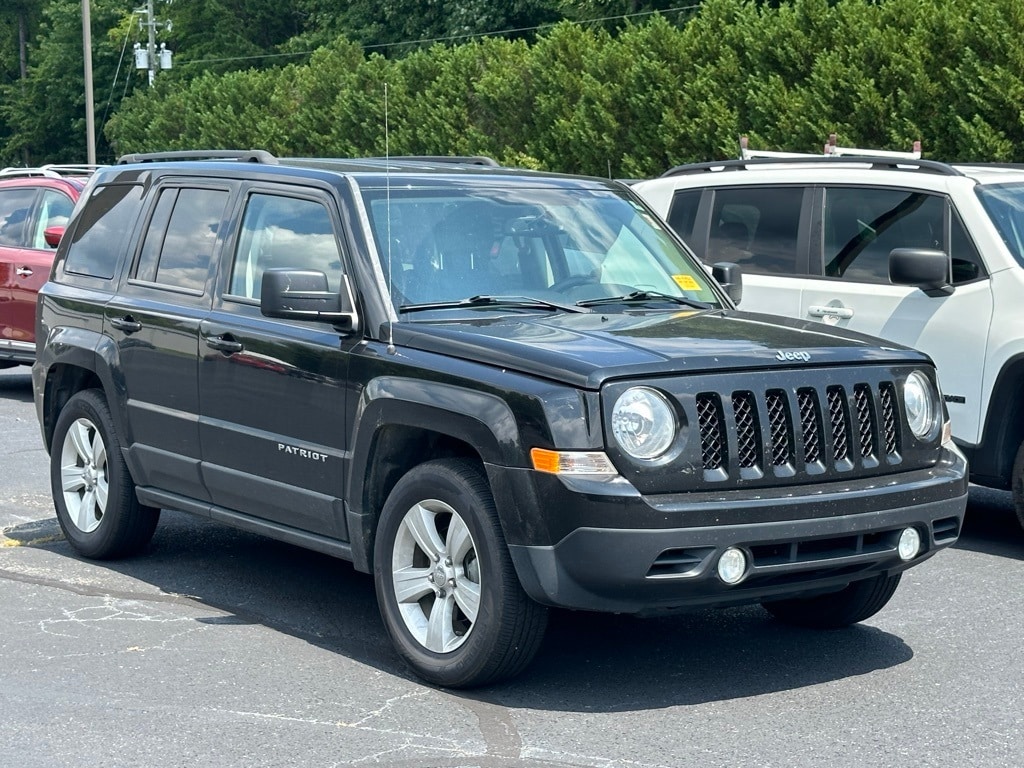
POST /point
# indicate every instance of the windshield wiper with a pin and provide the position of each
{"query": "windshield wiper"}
(641, 297)
(515, 302)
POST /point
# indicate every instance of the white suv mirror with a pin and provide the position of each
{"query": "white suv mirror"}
(925, 268)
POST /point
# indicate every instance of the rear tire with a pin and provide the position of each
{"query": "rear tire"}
(855, 602)
(1018, 485)
(447, 590)
(92, 491)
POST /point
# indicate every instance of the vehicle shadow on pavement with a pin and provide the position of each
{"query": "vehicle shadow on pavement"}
(695, 658)
(16, 384)
(588, 662)
(991, 526)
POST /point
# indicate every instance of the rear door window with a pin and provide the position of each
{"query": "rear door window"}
(757, 228)
(181, 238)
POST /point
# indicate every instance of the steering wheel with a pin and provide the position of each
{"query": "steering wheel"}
(574, 281)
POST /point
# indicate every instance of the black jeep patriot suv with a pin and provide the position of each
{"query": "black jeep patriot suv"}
(496, 390)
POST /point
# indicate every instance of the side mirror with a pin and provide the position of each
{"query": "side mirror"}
(52, 235)
(303, 294)
(924, 268)
(730, 276)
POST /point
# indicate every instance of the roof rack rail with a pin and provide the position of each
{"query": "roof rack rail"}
(460, 159)
(874, 162)
(832, 149)
(241, 155)
(51, 170)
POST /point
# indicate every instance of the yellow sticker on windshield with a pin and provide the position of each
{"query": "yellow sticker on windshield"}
(686, 282)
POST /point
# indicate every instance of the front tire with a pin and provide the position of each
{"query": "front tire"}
(1018, 485)
(92, 491)
(447, 590)
(855, 602)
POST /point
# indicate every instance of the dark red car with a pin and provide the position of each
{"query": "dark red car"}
(32, 201)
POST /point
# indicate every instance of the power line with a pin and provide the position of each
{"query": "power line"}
(451, 38)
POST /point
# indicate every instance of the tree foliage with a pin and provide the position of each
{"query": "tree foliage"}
(624, 101)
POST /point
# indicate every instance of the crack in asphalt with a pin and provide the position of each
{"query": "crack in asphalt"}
(87, 590)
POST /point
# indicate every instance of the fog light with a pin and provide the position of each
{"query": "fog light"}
(732, 565)
(910, 544)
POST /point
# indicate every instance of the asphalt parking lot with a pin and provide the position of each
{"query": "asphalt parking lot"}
(219, 648)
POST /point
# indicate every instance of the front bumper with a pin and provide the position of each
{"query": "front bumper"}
(809, 540)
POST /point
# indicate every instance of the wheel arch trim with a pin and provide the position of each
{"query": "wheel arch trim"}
(95, 355)
(478, 419)
(992, 459)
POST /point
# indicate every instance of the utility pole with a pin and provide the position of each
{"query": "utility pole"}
(151, 25)
(23, 62)
(90, 116)
(150, 58)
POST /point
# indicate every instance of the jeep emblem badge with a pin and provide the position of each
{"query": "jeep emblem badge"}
(800, 355)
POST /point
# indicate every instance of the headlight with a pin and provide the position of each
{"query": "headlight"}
(922, 403)
(643, 423)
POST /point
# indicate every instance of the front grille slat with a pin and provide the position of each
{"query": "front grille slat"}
(810, 424)
(780, 425)
(839, 420)
(804, 431)
(867, 425)
(712, 433)
(748, 437)
(890, 430)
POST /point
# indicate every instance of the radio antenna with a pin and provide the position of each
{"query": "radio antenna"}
(387, 199)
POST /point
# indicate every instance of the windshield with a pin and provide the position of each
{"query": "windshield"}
(556, 245)
(1005, 206)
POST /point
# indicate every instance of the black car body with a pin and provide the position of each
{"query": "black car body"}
(566, 413)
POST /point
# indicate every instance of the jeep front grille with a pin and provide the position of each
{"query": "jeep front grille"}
(837, 428)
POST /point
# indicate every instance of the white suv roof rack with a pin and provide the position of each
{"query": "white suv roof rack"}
(51, 170)
(832, 149)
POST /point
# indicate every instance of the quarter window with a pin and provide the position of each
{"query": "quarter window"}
(966, 261)
(110, 215)
(683, 214)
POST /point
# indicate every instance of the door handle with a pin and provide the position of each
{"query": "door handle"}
(224, 344)
(23, 272)
(128, 324)
(841, 312)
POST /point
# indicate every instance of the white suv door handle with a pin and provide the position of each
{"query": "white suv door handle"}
(841, 312)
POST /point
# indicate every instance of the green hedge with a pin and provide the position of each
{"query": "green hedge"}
(879, 74)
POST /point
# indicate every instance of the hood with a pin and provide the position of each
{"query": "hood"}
(585, 350)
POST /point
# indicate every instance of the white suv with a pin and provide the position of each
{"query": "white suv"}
(927, 254)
